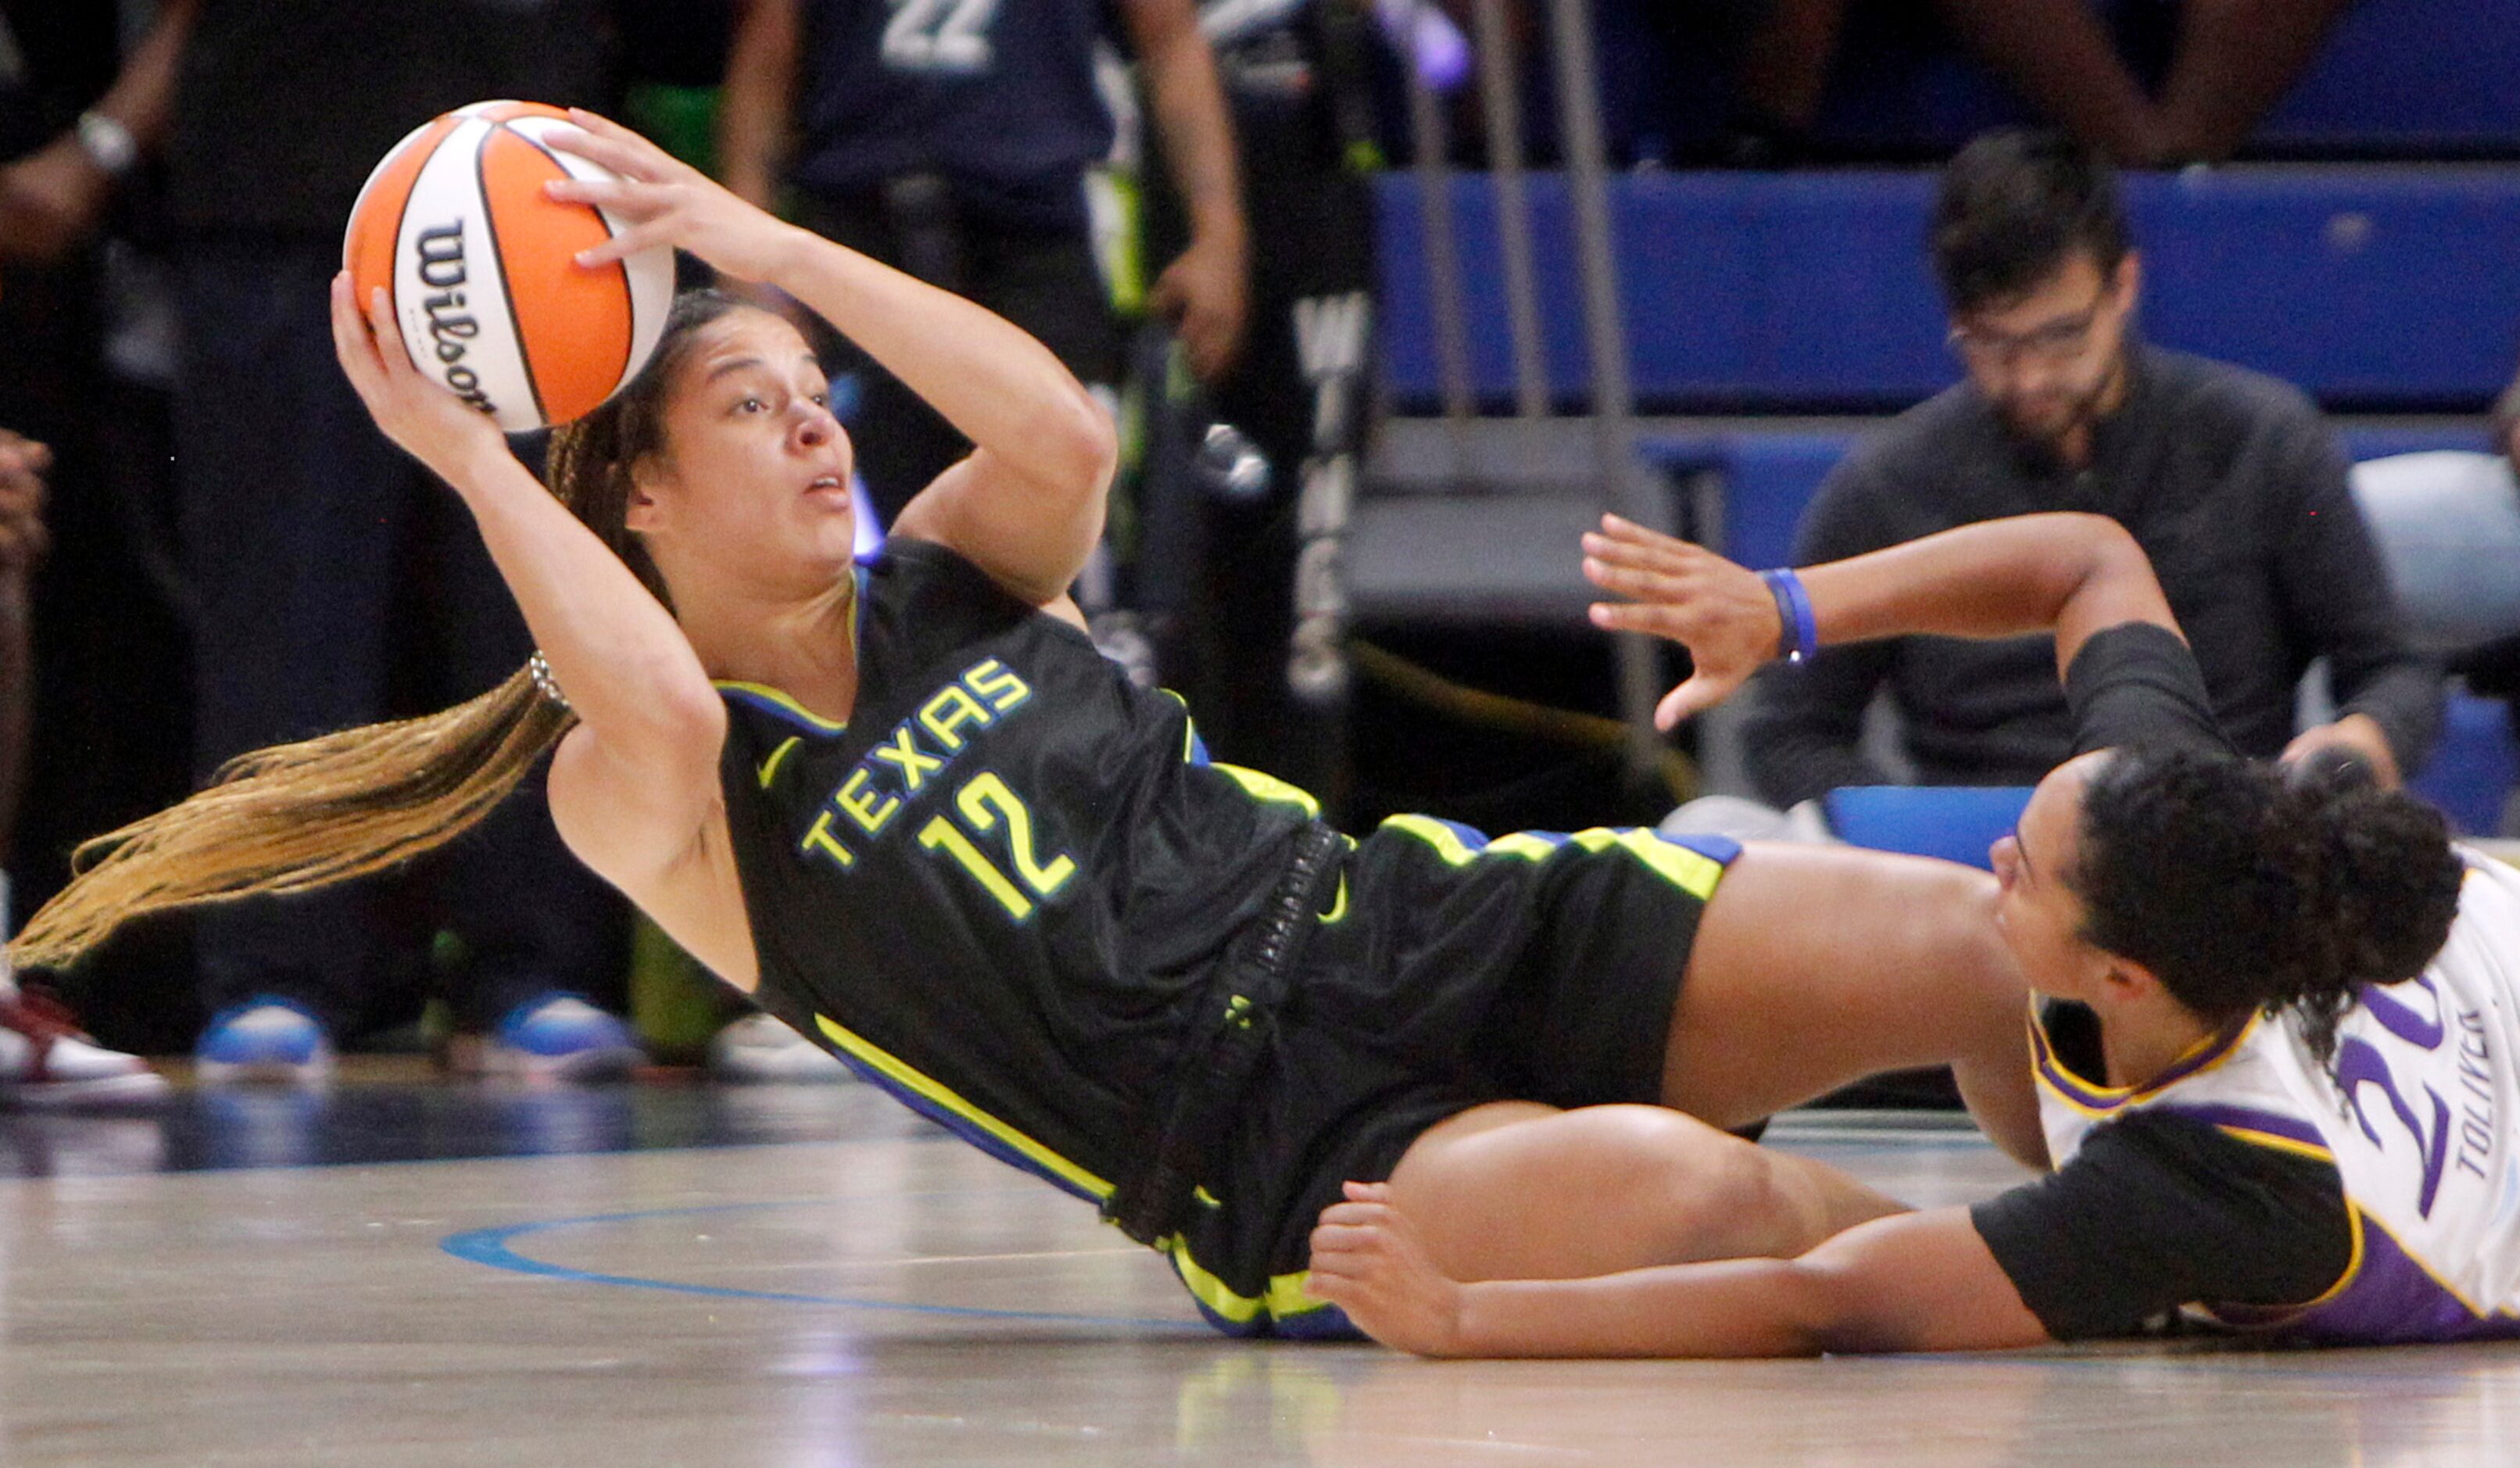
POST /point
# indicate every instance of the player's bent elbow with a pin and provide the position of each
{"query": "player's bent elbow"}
(1078, 445)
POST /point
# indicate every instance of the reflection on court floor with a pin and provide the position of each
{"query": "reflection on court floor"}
(674, 1273)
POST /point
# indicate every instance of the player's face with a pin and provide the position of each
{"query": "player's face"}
(2049, 359)
(2040, 913)
(755, 476)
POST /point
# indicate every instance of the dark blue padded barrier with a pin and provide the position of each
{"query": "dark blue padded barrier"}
(1955, 823)
(2396, 78)
(2474, 765)
(2373, 287)
(2471, 775)
(1770, 475)
(2403, 75)
(2407, 79)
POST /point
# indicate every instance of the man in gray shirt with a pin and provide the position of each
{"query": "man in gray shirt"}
(2229, 478)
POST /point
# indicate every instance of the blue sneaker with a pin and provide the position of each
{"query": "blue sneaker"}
(264, 1040)
(555, 1037)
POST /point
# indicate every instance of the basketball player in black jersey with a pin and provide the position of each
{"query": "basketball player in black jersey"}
(908, 807)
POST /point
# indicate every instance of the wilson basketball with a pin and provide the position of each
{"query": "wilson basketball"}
(481, 269)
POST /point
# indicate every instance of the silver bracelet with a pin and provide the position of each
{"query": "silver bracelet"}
(544, 683)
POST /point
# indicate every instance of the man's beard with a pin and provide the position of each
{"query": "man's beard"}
(2081, 412)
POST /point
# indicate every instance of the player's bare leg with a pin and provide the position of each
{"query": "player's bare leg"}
(1817, 965)
(1518, 1190)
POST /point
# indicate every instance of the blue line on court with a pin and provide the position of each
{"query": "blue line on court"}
(491, 1246)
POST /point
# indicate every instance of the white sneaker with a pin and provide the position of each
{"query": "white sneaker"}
(47, 1060)
(759, 1047)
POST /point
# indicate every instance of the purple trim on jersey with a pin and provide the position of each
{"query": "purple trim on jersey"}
(2248, 1119)
(2392, 1301)
(2103, 1098)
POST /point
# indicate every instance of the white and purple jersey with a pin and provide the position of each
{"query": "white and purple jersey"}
(2416, 1118)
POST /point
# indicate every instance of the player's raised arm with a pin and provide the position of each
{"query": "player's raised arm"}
(2073, 574)
(641, 700)
(1027, 504)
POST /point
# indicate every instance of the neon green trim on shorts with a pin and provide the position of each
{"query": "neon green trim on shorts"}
(1283, 1297)
(1270, 788)
(903, 1074)
(1690, 872)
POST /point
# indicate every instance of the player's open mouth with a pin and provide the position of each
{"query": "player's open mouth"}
(826, 481)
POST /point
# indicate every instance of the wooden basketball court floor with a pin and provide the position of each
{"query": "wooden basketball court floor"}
(403, 1271)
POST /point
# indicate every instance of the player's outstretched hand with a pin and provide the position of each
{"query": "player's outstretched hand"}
(1724, 615)
(1367, 1261)
(664, 201)
(426, 421)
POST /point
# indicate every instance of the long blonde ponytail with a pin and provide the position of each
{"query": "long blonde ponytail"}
(324, 810)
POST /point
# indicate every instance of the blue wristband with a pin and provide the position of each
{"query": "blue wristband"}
(1798, 630)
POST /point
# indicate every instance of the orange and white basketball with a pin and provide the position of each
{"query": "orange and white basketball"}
(483, 274)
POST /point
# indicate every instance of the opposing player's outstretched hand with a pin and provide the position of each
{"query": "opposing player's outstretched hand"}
(1367, 1261)
(426, 421)
(664, 201)
(1724, 615)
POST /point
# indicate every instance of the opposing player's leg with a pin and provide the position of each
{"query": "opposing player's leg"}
(1519, 1190)
(1814, 967)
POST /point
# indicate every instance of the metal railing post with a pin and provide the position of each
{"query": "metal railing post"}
(1500, 82)
(1605, 337)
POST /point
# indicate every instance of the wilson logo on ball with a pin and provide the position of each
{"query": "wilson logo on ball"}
(481, 268)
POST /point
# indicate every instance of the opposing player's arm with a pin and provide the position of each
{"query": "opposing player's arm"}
(1026, 505)
(637, 780)
(1915, 1281)
(2073, 574)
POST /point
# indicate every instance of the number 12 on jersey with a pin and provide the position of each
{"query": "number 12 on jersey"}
(989, 808)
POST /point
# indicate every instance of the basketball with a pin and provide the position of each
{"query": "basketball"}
(481, 271)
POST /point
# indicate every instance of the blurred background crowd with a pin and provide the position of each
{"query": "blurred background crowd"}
(1390, 298)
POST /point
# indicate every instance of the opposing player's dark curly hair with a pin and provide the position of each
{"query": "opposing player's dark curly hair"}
(2247, 886)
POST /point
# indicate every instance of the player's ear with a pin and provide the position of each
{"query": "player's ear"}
(2126, 979)
(2126, 283)
(641, 514)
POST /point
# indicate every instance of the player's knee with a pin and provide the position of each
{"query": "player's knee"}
(1705, 1193)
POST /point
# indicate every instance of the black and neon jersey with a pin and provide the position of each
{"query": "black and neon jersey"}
(1009, 867)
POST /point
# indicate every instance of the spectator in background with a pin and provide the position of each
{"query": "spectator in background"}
(2229, 479)
(45, 1058)
(2494, 670)
(2506, 421)
(953, 142)
(68, 134)
(2232, 62)
(307, 534)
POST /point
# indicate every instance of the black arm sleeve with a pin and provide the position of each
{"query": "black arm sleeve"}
(2137, 684)
(2158, 1211)
(1803, 736)
(2337, 593)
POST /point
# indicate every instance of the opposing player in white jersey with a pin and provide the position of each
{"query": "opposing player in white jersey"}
(2275, 1030)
